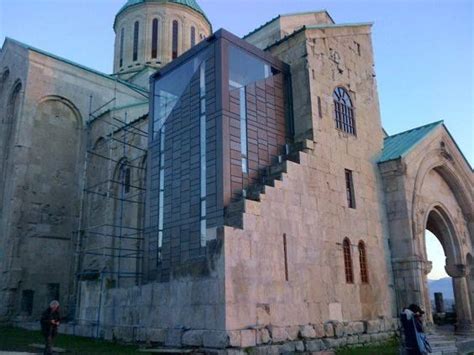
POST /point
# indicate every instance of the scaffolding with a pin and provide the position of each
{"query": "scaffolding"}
(110, 236)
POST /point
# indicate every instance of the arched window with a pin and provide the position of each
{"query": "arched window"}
(122, 39)
(13, 105)
(346, 246)
(125, 177)
(193, 36)
(136, 29)
(3, 79)
(364, 274)
(174, 51)
(343, 111)
(154, 38)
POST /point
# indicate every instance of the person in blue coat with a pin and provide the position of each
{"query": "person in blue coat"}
(415, 338)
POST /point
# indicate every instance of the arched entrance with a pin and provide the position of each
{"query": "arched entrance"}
(440, 224)
(431, 189)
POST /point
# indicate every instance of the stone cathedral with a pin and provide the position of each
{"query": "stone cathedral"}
(223, 192)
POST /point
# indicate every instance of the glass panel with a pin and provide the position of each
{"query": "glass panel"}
(245, 69)
(169, 89)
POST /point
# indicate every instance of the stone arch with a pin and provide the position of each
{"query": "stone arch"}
(439, 222)
(7, 133)
(446, 214)
(53, 179)
(441, 162)
(126, 237)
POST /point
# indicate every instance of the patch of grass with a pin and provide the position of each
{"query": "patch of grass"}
(391, 347)
(16, 339)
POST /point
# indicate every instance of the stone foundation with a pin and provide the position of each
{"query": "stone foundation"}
(267, 340)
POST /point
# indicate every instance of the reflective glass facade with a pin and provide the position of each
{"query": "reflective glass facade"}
(218, 117)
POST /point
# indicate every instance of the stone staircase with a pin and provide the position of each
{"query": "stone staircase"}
(443, 344)
(267, 177)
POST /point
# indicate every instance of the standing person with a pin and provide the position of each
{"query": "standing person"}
(49, 325)
(415, 338)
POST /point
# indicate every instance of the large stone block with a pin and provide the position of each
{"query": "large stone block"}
(215, 339)
(287, 348)
(173, 337)
(235, 339)
(339, 329)
(263, 336)
(307, 332)
(293, 332)
(192, 338)
(364, 338)
(334, 343)
(372, 326)
(328, 330)
(279, 334)
(319, 330)
(265, 350)
(155, 335)
(248, 338)
(314, 345)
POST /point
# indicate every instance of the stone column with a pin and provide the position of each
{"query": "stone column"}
(459, 273)
(408, 275)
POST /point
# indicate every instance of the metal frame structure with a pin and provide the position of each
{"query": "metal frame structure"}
(108, 243)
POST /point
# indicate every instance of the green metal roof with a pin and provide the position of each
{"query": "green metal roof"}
(192, 4)
(398, 145)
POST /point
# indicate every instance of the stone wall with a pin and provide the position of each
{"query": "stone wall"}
(43, 182)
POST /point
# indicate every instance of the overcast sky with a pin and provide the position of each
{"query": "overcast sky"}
(423, 48)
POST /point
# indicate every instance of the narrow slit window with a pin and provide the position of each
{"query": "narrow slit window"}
(193, 36)
(136, 29)
(122, 39)
(174, 54)
(154, 39)
(350, 189)
(346, 246)
(364, 274)
(320, 111)
(285, 255)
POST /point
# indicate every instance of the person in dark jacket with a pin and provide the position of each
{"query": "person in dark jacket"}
(412, 324)
(49, 325)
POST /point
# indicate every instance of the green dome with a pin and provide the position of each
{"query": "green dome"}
(192, 4)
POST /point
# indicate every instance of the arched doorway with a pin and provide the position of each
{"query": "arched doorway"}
(440, 284)
(439, 223)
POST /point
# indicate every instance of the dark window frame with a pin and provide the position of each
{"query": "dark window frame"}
(136, 34)
(364, 271)
(193, 36)
(174, 39)
(350, 192)
(344, 111)
(348, 265)
(154, 38)
(122, 40)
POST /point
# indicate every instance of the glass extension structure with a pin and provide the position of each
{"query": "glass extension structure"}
(218, 118)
